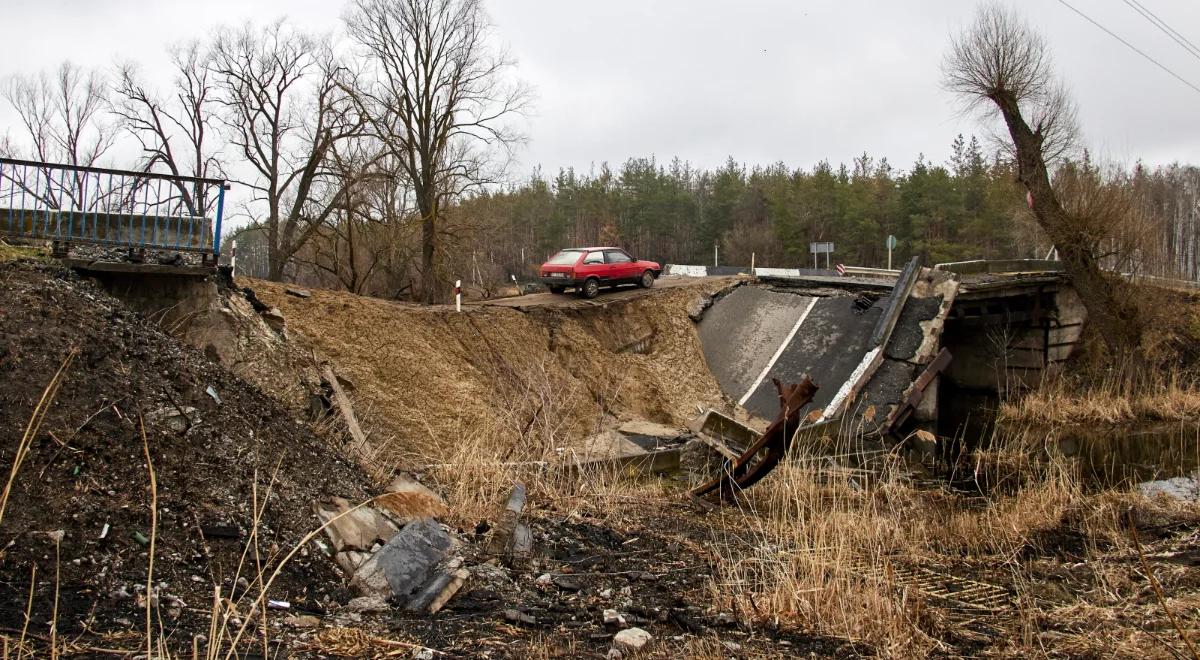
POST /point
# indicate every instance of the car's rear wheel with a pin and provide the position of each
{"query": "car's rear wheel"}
(647, 280)
(590, 288)
(556, 289)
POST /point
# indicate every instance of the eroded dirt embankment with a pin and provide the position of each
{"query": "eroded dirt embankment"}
(426, 377)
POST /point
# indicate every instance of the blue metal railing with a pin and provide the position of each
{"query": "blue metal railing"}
(136, 210)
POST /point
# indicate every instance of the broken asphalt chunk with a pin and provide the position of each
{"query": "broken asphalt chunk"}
(405, 563)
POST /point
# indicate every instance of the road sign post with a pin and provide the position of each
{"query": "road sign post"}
(891, 245)
(824, 248)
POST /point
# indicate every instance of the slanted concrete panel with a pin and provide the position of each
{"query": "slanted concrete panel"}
(743, 330)
(828, 347)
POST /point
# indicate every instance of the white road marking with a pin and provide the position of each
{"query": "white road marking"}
(864, 370)
(774, 358)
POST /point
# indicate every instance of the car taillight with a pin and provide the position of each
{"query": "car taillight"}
(571, 273)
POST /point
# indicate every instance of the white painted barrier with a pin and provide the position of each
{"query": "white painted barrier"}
(687, 271)
(777, 272)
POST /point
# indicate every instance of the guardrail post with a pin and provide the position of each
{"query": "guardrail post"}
(217, 227)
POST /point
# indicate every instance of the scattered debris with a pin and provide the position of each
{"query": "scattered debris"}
(212, 392)
(441, 589)
(367, 604)
(766, 452)
(502, 536)
(275, 319)
(631, 640)
(353, 528)
(408, 499)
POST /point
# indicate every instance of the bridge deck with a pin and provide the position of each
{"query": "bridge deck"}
(165, 232)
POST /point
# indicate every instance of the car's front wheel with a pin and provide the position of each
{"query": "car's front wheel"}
(647, 279)
(591, 288)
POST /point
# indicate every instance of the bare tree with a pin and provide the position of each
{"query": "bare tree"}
(438, 100)
(351, 246)
(174, 132)
(1001, 64)
(63, 114)
(283, 110)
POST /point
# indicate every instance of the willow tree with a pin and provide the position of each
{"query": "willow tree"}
(437, 96)
(1000, 65)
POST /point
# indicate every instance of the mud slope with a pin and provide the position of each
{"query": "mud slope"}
(86, 469)
(427, 376)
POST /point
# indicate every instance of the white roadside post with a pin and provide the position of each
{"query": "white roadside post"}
(458, 295)
(233, 259)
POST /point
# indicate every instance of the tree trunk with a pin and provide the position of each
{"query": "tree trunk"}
(1101, 294)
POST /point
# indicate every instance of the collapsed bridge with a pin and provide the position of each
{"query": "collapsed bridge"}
(889, 355)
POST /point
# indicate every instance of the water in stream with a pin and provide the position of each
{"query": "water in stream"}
(1159, 458)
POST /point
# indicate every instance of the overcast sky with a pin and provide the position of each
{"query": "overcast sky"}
(796, 81)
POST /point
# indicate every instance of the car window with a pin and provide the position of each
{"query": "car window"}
(564, 258)
(617, 257)
(594, 258)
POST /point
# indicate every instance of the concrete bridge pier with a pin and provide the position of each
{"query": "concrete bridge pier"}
(1007, 334)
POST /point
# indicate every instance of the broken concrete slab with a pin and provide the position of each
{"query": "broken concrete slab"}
(407, 500)
(608, 444)
(438, 591)
(299, 293)
(275, 319)
(405, 563)
(351, 528)
(350, 560)
(506, 526)
(367, 604)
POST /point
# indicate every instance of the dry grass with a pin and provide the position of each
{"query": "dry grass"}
(9, 252)
(822, 553)
(1119, 396)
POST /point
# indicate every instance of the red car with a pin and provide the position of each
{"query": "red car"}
(588, 269)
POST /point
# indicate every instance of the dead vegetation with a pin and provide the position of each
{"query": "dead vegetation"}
(426, 377)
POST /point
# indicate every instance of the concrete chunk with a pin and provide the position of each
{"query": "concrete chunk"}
(405, 563)
(359, 529)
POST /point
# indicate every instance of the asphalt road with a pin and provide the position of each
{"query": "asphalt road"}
(570, 299)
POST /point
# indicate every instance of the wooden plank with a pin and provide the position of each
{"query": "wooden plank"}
(343, 403)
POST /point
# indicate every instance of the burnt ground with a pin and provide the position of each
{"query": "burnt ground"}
(86, 469)
(86, 476)
(649, 563)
